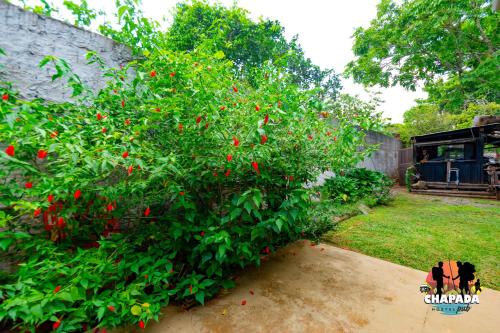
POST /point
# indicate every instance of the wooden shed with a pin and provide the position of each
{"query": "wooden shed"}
(459, 162)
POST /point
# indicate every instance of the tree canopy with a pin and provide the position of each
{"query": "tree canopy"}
(449, 46)
(427, 118)
(248, 44)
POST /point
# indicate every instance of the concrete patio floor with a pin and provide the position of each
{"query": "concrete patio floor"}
(305, 288)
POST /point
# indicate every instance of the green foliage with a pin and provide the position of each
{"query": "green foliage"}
(96, 287)
(139, 33)
(248, 44)
(324, 215)
(423, 119)
(358, 183)
(409, 174)
(427, 118)
(345, 195)
(84, 15)
(43, 8)
(450, 46)
(465, 119)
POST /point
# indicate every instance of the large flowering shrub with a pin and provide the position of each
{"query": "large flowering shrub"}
(155, 188)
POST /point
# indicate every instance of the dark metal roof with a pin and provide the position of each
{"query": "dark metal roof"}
(460, 134)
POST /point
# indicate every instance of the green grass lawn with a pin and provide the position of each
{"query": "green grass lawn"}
(417, 231)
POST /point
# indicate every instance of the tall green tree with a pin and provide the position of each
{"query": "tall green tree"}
(422, 119)
(451, 46)
(249, 44)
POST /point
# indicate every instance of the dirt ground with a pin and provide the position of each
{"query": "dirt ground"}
(305, 288)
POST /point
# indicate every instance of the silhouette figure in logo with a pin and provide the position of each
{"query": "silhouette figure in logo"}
(437, 275)
(477, 286)
(465, 273)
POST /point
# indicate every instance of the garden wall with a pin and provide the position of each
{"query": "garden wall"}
(27, 38)
(385, 159)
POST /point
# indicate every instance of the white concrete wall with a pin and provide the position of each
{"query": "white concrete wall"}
(385, 159)
(27, 38)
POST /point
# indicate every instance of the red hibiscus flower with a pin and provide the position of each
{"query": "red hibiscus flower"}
(172, 74)
(104, 130)
(127, 121)
(257, 108)
(235, 89)
(263, 139)
(60, 222)
(147, 212)
(130, 169)
(37, 212)
(266, 119)
(123, 103)
(5, 97)
(222, 108)
(77, 194)
(110, 207)
(181, 193)
(152, 74)
(228, 172)
(10, 150)
(255, 166)
(28, 185)
(54, 134)
(56, 325)
(198, 119)
(142, 325)
(310, 137)
(125, 154)
(202, 233)
(235, 141)
(99, 116)
(111, 308)
(50, 198)
(229, 158)
(41, 154)
(328, 133)
(57, 289)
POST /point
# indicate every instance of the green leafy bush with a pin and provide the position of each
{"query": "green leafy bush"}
(347, 194)
(156, 188)
(359, 183)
